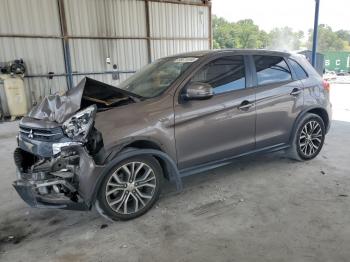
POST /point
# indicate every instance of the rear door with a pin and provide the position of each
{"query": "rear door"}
(309, 84)
(222, 126)
(279, 100)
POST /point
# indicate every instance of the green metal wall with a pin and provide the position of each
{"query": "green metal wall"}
(337, 61)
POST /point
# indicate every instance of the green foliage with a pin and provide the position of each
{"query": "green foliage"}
(243, 34)
(225, 34)
(264, 39)
(246, 34)
(345, 36)
(285, 39)
(327, 39)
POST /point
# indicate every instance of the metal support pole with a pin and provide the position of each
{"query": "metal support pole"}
(66, 51)
(314, 41)
(210, 27)
(148, 31)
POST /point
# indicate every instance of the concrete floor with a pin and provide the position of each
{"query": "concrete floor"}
(266, 208)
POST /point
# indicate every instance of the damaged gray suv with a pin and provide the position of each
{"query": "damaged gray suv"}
(98, 145)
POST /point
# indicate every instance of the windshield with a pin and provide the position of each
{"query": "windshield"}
(153, 79)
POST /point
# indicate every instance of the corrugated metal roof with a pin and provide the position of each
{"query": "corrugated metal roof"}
(202, 2)
(41, 87)
(169, 20)
(32, 17)
(106, 18)
(96, 18)
(90, 54)
(40, 55)
(161, 48)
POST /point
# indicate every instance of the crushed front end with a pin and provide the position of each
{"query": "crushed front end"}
(50, 157)
(60, 154)
(48, 182)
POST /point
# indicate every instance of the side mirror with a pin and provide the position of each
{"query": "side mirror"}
(198, 91)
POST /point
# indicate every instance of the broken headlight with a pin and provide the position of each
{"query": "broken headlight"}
(79, 125)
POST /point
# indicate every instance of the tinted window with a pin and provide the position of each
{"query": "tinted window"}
(271, 69)
(299, 71)
(223, 74)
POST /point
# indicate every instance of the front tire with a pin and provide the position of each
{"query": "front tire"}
(308, 139)
(130, 189)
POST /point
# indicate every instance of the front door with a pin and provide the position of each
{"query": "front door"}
(222, 126)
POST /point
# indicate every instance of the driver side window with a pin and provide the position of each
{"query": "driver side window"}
(223, 74)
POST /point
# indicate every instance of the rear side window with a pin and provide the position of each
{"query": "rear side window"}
(224, 74)
(298, 69)
(271, 69)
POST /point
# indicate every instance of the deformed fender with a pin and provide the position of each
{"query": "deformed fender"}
(96, 181)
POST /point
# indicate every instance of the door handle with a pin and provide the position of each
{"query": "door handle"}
(295, 92)
(245, 105)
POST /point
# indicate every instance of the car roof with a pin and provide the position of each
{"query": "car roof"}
(232, 51)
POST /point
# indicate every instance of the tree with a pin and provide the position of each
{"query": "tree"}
(345, 36)
(223, 33)
(263, 39)
(327, 39)
(285, 39)
(243, 34)
(247, 34)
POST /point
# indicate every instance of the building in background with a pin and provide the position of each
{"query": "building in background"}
(70, 39)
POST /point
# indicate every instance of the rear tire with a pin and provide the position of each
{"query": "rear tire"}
(308, 139)
(130, 189)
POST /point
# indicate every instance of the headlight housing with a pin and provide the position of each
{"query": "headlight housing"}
(78, 126)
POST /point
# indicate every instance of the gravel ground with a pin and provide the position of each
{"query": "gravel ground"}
(266, 208)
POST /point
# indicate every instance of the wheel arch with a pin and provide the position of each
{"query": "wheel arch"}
(140, 144)
(145, 144)
(167, 163)
(321, 112)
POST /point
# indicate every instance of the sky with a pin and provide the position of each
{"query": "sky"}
(297, 14)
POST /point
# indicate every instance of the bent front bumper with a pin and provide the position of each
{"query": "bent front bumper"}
(85, 175)
(27, 191)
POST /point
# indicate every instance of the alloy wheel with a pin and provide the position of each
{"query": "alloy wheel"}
(310, 139)
(131, 187)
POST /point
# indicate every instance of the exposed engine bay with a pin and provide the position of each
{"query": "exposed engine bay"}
(58, 142)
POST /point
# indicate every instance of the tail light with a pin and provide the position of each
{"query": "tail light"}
(326, 85)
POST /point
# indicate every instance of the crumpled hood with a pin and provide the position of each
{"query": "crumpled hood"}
(58, 108)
